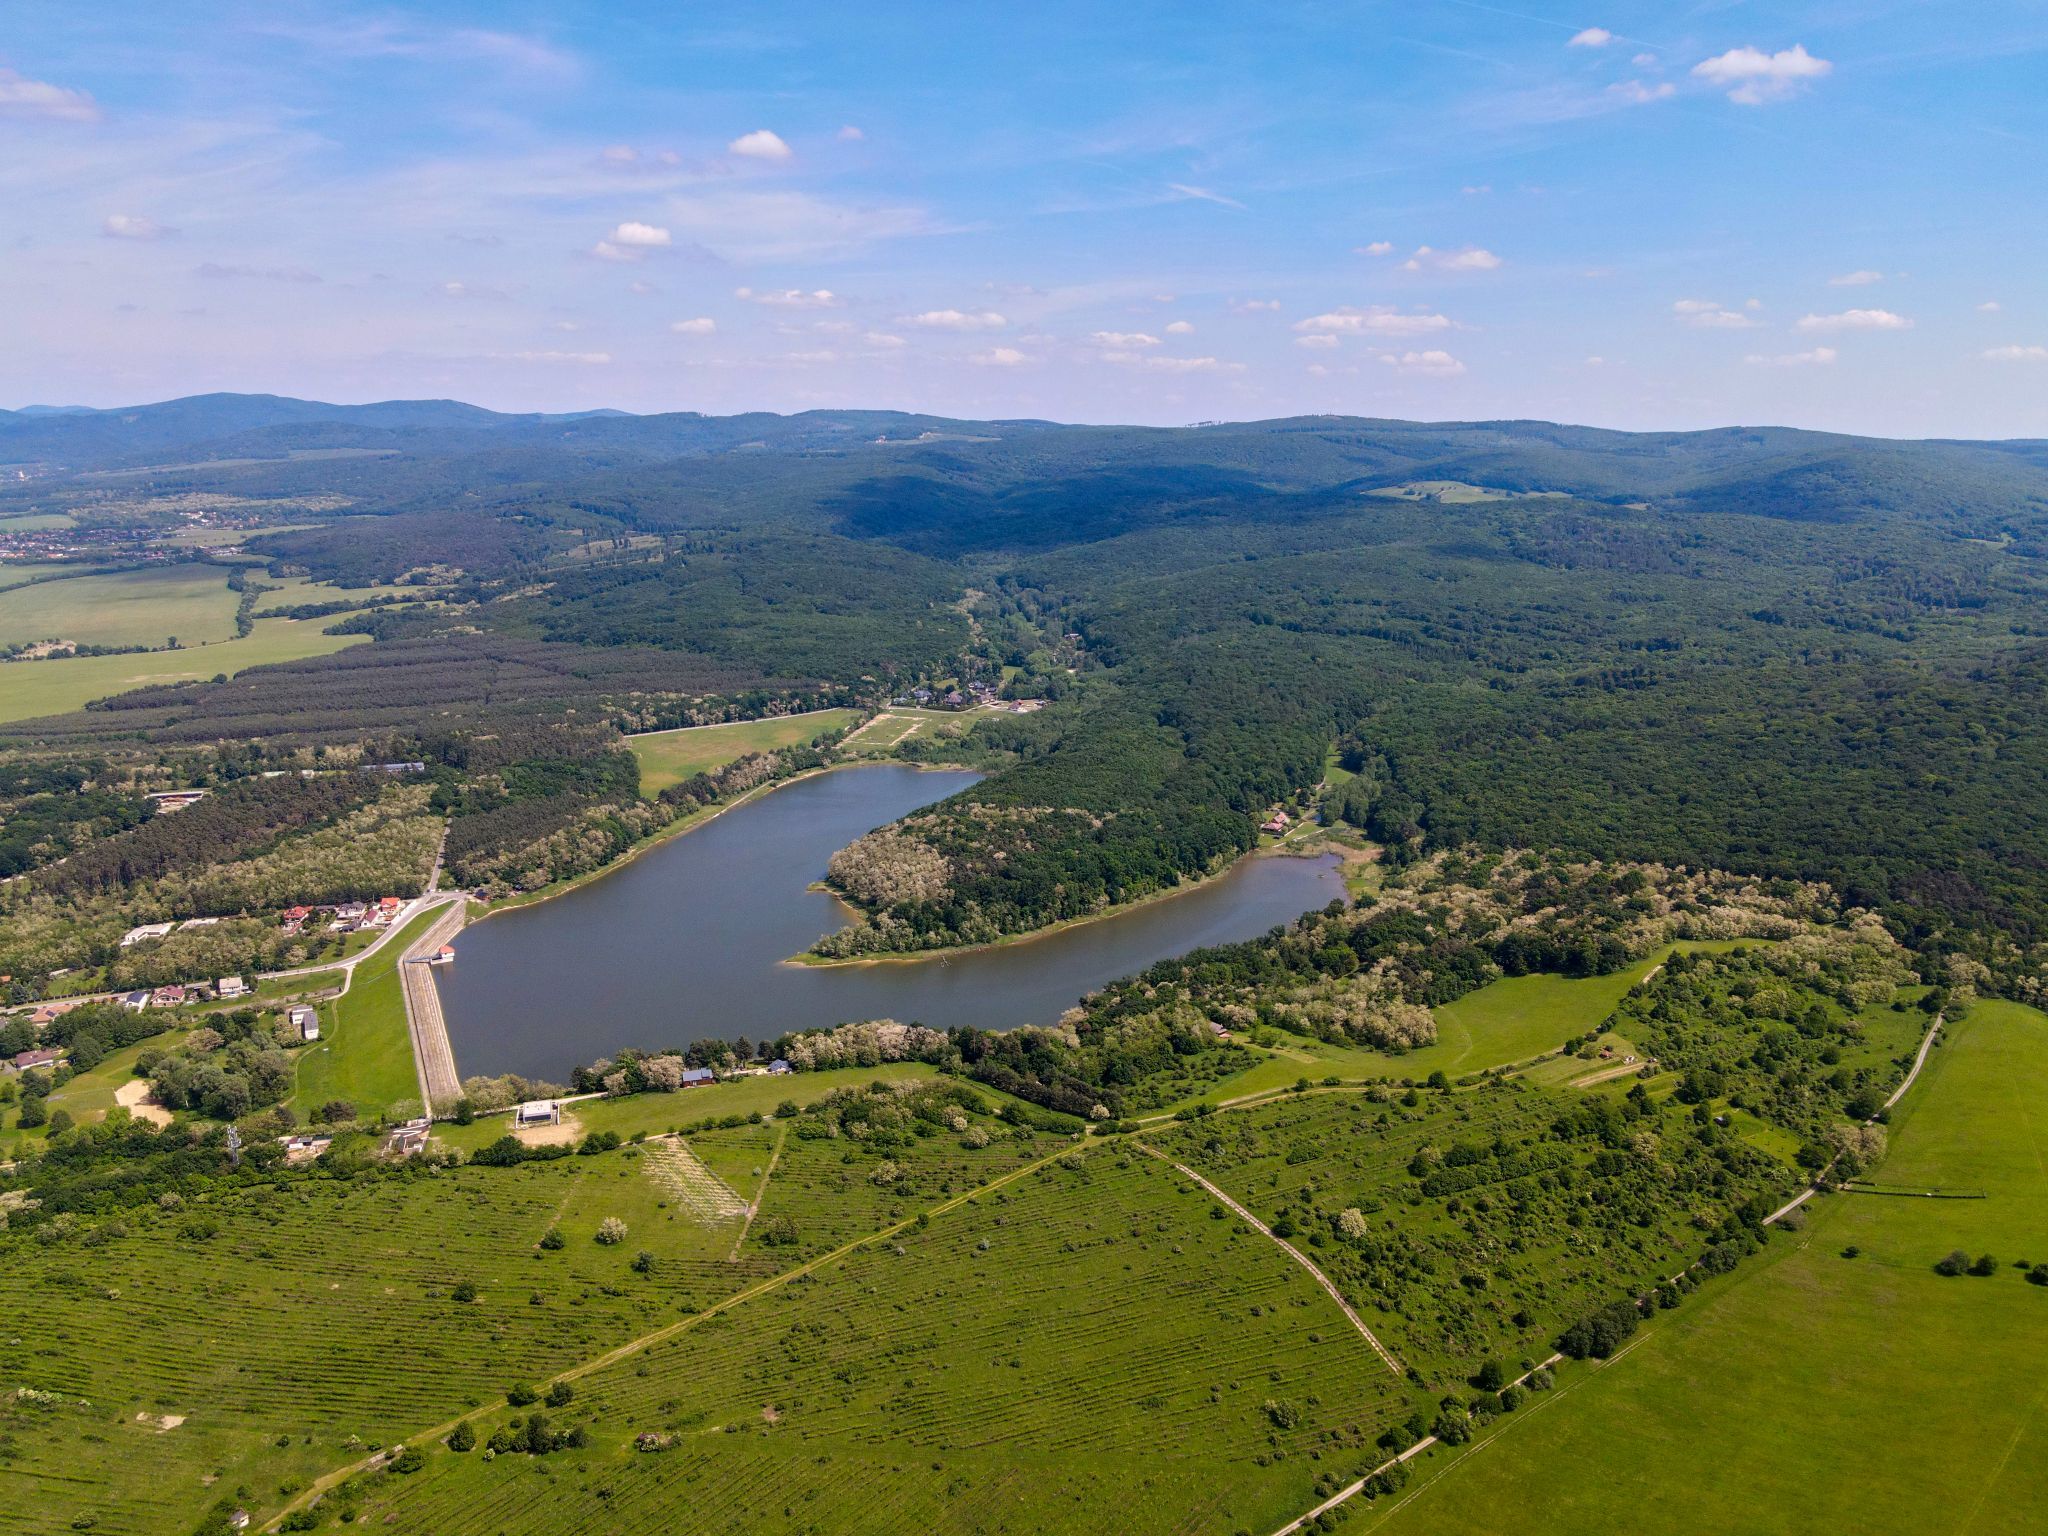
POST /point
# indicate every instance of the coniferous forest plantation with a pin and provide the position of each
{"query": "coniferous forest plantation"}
(1657, 1112)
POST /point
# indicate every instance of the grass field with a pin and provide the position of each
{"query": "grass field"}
(144, 607)
(1086, 1350)
(669, 757)
(32, 688)
(1814, 1391)
(364, 1053)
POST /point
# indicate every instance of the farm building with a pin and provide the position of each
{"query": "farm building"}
(694, 1077)
(778, 1066)
(304, 1020)
(537, 1112)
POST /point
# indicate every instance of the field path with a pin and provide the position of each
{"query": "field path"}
(760, 1192)
(1293, 1252)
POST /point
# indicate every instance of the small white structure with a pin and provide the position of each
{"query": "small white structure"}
(305, 1021)
(537, 1112)
(231, 986)
(146, 931)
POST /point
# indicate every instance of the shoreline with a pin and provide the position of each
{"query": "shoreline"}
(811, 961)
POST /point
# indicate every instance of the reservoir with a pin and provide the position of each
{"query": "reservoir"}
(687, 941)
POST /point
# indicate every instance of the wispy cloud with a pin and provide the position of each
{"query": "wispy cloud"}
(702, 325)
(1000, 357)
(1819, 356)
(2016, 354)
(1203, 195)
(1591, 37)
(790, 298)
(1124, 339)
(134, 226)
(1858, 279)
(1710, 315)
(23, 97)
(1373, 320)
(1471, 258)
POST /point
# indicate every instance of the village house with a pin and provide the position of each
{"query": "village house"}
(304, 1020)
(695, 1077)
(172, 996)
(135, 1002)
(778, 1067)
(29, 1061)
(231, 986)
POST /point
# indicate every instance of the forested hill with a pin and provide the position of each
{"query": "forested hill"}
(1796, 654)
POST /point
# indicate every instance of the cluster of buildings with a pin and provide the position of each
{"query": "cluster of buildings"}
(978, 695)
(347, 916)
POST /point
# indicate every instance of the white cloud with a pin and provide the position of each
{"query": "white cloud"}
(1433, 361)
(1316, 339)
(1157, 364)
(1709, 315)
(790, 298)
(1377, 248)
(2016, 354)
(1596, 361)
(577, 359)
(702, 325)
(1856, 320)
(1819, 356)
(631, 241)
(1000, 357)
(1753, 77)
(1254, 306)
(1858, 279)
(1637, 94)
(1592, 37)
(1988, 307)
(1203, 195)
(1124, 339)
(825, 356)
(1180, 328)
(1375, 320)
(881, 339)
(850, 135)
(219, 270)
(22, 97)
(761, 144)
(957, 320)
(133, 226)
(1644, 61)
(1470, 259)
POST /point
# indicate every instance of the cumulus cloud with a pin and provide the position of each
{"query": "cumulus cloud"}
(1710, 315)
(1124, 339)
(762, 144)
(957, 320)
(1591, 37)
(1856, 320)
(2016, 354)
(881, 339)
(1255, 306)
(631, 241)
(1858, 279)
(1180, 328)
(1000, 357)
(850, 135)
(22, 97)
(1818, 356)
(702, 325)
(1374, 320)
(790, 298)
(1433, 361)
(134, 226)
(1752, 77)
(1469, 259)
(1376, 248)
(1316, 339)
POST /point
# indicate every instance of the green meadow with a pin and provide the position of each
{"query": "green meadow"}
(364, 1053)
(141, 607)
(670, 757)
(1813, 1390)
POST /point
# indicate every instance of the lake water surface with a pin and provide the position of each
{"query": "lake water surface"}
(686, 942)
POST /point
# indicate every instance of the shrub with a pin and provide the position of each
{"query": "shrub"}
(1984, 1265)
(464, 1291)
(1602, 1333)
(643, 1263)
(464, 1438)
(520, 1395)
(1491, 1377)
(560, 1394)
(2038, 1275)
(1955, 1262)
(408, 1460)
(552, 1239)
(611, 1231)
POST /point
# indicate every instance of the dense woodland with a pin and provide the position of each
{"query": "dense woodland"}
(1801, 656)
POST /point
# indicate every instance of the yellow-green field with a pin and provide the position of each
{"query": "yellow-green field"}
(31, 688)
(145, 607)
(670, 757)
(1777, 1403)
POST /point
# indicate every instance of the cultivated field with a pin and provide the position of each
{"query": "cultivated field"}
(144, 607)
(669, 757)
(32, 688)
(1777, 1403)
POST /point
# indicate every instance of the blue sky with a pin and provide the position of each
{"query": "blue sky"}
(1634, 215)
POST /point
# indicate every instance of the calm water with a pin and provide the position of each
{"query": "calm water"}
(684, 942)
